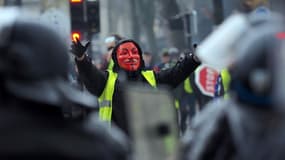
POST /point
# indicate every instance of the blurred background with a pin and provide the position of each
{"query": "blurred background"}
(155, 24)
(167, 29)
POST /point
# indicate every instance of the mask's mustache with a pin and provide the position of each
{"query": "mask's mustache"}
(131, 60)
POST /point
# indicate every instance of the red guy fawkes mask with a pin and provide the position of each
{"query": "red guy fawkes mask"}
(128, 56)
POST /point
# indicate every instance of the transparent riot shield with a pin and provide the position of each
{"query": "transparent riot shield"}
(218, 55)
(153, 123)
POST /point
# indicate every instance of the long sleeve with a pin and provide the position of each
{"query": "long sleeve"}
(177, 74)
(93, 79)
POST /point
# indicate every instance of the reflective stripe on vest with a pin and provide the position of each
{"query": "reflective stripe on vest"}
(106, 98)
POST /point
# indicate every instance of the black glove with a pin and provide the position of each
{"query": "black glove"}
(78, 49)
(188, 54)
(195, 58)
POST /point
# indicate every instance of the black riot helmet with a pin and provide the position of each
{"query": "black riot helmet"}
(34, 62)
(252, 73)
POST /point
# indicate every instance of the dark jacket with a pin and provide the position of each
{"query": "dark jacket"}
(32, 130)
(95, 80)
(231, 130)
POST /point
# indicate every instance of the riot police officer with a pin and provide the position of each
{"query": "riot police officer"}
(33, 69)
(248, 125)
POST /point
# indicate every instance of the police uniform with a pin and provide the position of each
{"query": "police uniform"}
(33, 93)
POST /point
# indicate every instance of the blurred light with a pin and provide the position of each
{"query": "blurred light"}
(76, 35)
(110, 39)
(75, 1)
(280, 35)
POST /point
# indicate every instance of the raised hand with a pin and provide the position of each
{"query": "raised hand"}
(78, 49)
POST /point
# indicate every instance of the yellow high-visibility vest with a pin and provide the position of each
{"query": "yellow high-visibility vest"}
(106, 98)
(187, 86)
(226, 78)
(110, 64)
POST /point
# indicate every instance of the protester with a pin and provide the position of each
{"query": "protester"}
(255, 6)
(128, 66)
(165, 62)
(147, 57)
(110, 42)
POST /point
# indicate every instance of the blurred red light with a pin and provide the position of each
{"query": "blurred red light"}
(280, 35)
(76, 35)
(75, 1)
